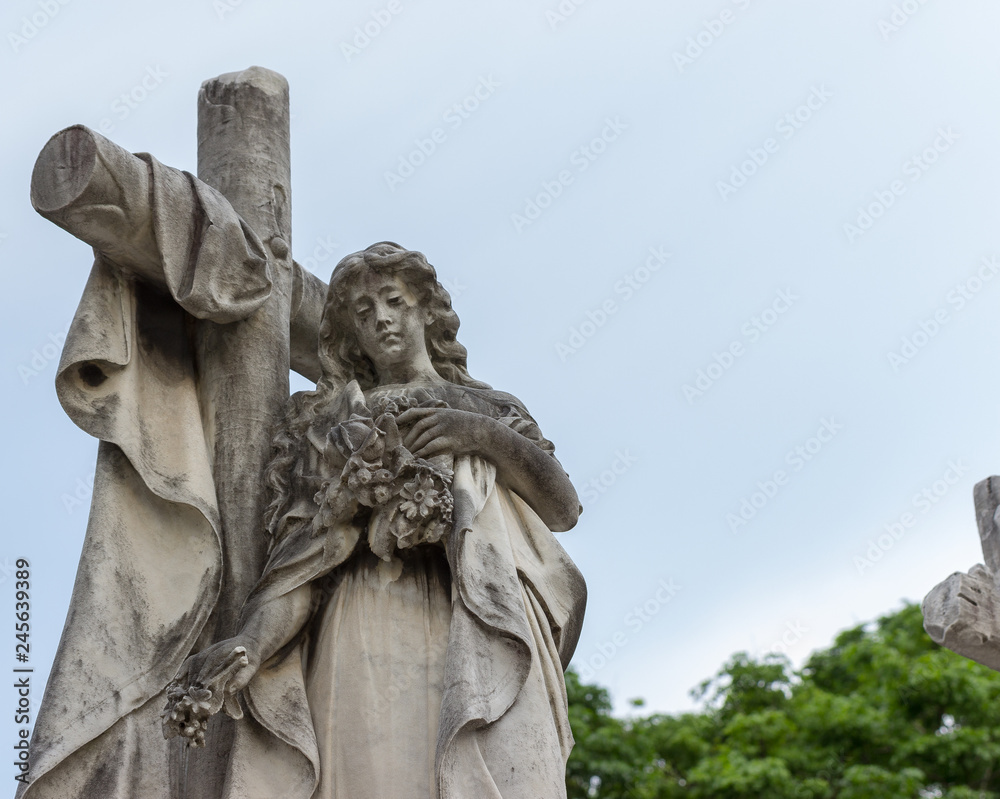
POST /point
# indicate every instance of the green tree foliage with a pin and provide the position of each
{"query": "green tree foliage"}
(884, 713)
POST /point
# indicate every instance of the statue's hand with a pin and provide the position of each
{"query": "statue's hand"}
(225, 667)
(438, 431)
(207, 683)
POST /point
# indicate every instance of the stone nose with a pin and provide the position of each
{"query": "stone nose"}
(383, 317)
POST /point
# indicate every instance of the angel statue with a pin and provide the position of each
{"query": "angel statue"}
(372, 595)
(408, 634)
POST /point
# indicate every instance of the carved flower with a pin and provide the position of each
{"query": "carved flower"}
(393, 404)
(421, 497)
(414, 494)
(187, 713)
(359, 473)
(350, 436)
(372, 447)
(200, 699)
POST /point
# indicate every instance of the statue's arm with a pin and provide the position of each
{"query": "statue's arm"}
(521, 464)
(264, 633)
(308, 299)
(164, 225)
(275, 623)
(103, 195)
(533, 474)
(100, 193)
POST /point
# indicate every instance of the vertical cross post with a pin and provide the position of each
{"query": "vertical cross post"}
(244, 153)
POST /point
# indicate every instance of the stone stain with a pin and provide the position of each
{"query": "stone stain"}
(162, 333)
(92, 374)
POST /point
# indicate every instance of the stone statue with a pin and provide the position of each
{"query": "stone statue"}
(372, 593)
(963, 612)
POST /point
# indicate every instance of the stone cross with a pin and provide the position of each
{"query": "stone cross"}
(177, 360)
(963, 612)
(101, 194)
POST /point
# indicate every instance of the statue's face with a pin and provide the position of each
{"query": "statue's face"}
(388, 321)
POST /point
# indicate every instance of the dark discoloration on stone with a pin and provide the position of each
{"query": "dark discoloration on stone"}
(161, 330)
(92, 374)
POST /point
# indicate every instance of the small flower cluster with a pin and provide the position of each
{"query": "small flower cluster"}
(187, 713)
(369, 481)
(411, 497)
(427, 494)
(424, 514)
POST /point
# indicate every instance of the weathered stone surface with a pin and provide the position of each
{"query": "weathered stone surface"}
(963, 612)
(432, 499)
(372, 594)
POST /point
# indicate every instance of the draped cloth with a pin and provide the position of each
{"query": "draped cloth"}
(516, 609)
(150, 570)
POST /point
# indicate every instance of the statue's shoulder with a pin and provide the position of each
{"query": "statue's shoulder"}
(508, 409)
(501, 402)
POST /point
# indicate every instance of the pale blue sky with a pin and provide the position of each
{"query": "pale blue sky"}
(611, 219)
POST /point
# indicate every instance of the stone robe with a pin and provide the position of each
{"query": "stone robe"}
(151, 567)
(152, 563)
(424, 675)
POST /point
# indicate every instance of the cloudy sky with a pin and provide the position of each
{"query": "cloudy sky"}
(739, 259)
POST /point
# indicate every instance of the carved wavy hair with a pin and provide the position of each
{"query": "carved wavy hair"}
(339, 354)
(341, 359)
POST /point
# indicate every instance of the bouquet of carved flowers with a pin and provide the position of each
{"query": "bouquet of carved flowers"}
(410, 497)
(190, 704)
(411, 504)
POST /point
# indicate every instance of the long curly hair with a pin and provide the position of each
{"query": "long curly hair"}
(341, 359)
(339, 354)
